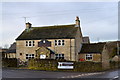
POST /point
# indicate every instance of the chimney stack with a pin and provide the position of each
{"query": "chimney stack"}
(77, 22)
(28, 25)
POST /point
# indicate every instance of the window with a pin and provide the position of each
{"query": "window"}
(20, 54)
(30, 43)
(59, 42)
(33, 43)
(89, 57)
(63, 42)
(26, 43)
(59, 56)
(55, 42)
(29, 56)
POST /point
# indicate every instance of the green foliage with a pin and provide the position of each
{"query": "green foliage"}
(114, 64)
(51, 65)
(12, 62)
(114, 52)
(88, 66)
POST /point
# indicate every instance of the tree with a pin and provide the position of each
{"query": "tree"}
(6, 46)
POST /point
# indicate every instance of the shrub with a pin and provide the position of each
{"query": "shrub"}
(52, 65)
(114, 64)
(11, 62)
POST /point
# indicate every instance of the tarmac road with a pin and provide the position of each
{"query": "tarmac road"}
(22, 74)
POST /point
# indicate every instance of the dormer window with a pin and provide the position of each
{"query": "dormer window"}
(30, 43)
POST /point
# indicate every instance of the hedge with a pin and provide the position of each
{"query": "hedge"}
(114, 64)
(52, 65)
(9, 62)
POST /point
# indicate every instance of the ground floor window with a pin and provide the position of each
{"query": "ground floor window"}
(59, 56)
(30, 56)
(89, 57)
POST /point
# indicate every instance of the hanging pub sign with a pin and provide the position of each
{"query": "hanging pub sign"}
(44, 43)
(65, 65)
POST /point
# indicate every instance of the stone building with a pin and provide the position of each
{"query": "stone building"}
(91, 52)
(50, 42)
(11, 52)
(96, 52)
(3, 52)
(86, 39)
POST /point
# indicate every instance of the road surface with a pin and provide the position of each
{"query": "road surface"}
(22, 74)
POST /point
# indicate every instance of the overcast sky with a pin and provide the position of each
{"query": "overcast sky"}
(99, 20)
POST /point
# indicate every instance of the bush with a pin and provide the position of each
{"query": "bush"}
(88, 66)
(114, 64)
(52, 65)
(11, 62)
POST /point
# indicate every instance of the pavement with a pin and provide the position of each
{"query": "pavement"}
(23, 74)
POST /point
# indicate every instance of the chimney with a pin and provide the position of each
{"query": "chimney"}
(77, 22)
(28, 25)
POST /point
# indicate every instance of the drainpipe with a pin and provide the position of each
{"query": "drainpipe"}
(70, 49)
(118, 48)
(75, 50)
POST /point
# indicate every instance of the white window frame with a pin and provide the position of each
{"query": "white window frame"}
(88, 55)
(27, 43)
(30, 56)
(60, 56)
(57, 43)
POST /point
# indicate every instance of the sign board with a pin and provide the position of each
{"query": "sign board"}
(65, 65)
(42, 56)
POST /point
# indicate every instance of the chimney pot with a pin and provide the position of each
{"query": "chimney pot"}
(28, 25)
(77, 22)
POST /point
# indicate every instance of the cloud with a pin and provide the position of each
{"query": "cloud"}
(97, 19)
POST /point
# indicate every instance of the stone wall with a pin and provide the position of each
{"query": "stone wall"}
(10, 55)
(96, 57)
(68, 49)
(52, 66)
(78, 43)
(105, 58)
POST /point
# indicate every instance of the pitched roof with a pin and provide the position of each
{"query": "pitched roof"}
(51, 51)
(12, 48)
(3, 50)
(49, 32)
(92, 48)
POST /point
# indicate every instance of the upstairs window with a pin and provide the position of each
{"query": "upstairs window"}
(63, 42)
(33, 43)
(89, 57)
(26, 43)
(55, 42)
(30, 43)
(59, 42)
